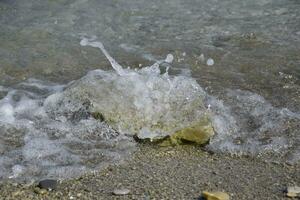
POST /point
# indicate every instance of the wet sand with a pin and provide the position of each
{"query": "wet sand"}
(181, 172)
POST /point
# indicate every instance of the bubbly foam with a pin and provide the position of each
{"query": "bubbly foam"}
(34, 145)
(249, 125)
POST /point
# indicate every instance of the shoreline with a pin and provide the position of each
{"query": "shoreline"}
(180, 172)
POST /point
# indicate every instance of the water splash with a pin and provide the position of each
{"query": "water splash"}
(141, 102)
(51, 130)
(113, 62)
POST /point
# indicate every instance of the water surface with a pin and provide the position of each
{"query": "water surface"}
(251, 88)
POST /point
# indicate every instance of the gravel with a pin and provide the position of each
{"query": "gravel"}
(181, 172)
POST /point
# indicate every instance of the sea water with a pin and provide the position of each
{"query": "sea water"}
(186, 59)
(47, 129)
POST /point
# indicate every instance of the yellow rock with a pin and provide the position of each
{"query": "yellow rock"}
(200, 133)
(215, 195)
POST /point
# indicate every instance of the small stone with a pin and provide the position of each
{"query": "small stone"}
(48, 184)
(293, 191)
(122, 191)
(199, 133)
(40, 191)
(215, 195)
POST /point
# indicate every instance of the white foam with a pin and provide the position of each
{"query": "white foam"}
(17, 170)
(7, 108)
(3, 89)
(34, 144)
(7, 113)
(169, 58)
(210, 62)
(46, 87)
(251, 125)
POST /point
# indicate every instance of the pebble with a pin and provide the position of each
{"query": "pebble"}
(215, 195)
(121, 191)
(17, 193)
(40, 191)
(48, 184)
(293, 191)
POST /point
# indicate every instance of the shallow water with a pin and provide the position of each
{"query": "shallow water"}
(244, 56)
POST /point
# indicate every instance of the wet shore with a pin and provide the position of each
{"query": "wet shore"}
(180, 172)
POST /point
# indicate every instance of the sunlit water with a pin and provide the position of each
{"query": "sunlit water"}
(237, 62)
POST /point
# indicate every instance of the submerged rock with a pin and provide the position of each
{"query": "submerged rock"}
(48, 184)
(143, 102)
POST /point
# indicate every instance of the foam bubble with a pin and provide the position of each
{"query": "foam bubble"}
(210, 62)
(248, 124)
(17, 170)
(169, 58)
(7, 113)
(33, 144)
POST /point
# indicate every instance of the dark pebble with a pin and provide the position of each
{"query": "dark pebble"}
(49, 184)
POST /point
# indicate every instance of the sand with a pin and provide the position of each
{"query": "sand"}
(181, 172)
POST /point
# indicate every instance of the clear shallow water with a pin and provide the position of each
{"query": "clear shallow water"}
(252, 87)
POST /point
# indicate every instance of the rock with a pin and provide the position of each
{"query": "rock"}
(197, 134)
(293, 191)
(215, 195)
(48, 184)
(122, 191)
(145, 103)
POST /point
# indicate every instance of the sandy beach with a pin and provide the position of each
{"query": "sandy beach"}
(180, 172)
